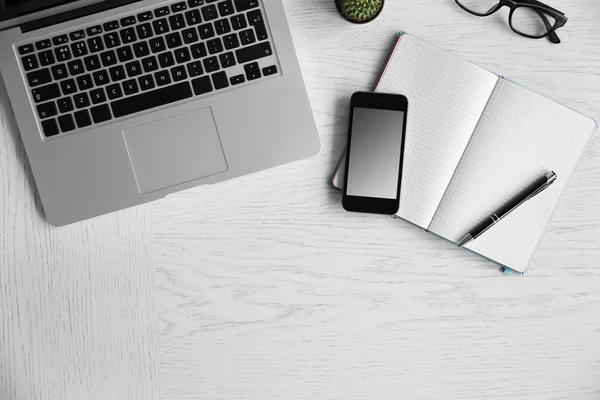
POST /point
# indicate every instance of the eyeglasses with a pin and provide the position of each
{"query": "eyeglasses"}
(528, 18)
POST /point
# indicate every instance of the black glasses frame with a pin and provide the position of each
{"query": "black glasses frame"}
(540, 8)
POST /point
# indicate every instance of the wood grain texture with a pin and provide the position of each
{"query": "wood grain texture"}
(268, 289)
(77, 316)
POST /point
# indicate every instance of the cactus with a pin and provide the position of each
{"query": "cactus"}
(359, 11)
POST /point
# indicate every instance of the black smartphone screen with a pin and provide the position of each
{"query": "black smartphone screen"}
(375, 150)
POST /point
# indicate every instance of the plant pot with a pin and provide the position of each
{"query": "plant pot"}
(339, 7)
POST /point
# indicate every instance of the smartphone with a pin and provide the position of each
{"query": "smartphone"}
(375, 152)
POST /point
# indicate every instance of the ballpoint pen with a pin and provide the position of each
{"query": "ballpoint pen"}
(531, 191)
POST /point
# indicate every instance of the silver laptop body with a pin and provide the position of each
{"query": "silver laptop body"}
(107, 128)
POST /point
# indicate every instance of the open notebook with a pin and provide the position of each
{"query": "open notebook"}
(473, 141)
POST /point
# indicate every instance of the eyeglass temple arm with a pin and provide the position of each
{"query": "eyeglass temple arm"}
(552, 36)
(539, 3)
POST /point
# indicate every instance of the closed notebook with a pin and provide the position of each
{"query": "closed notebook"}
(473, 141)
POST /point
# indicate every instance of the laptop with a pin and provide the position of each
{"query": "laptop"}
(121, 102)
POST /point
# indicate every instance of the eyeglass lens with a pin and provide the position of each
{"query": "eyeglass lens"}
(530, 21)
(479, 6)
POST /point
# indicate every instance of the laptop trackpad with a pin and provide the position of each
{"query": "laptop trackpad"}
(175, 150)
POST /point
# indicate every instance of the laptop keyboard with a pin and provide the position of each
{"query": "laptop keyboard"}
(94, 74)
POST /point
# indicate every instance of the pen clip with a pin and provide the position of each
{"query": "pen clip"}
(551, 178)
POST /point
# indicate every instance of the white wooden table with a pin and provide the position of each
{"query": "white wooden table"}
(264, 288)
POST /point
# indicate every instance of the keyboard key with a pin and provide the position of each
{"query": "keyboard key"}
(39, 77)
(209, 13)
(227, 60)
(133, 68)
(177, 21)
(182, 55)
(161, 12)
(145, 16)
(146, 83)
(130, 87)
(47, 110)
(220, 80)
(62, 53)
(244, 5)
(111, 26)
(238, 79)
(214, 46)
(141, 49)
(114, 91)
(206, 31)
(125, 53)
(85, 82)
(193, 17)
(46, 58)
(150, 64)
(68, 86)
(100, 113)
(173, 40)
(76, 67)
(82, 118)
(226, 8)
(98, 96)
(148, 100)
(202, 85)
(199, 51)
(29, 62)
(195, 69)
(160, 26)
(117, 73)
(94, 30)
(162, 78)
(195, 3)
(231, 41)
(251, 53)
(144, 31)
(108, 58)
(247, 37)
(92, 62)
(222, 26)
(50, 127)
(189, 36)
(157, 45)
(66, 123)
(79, 49)
(256, 20)
(43, 44)
(81, 100)
(61, 39)
(45, 93)
(65, 104)
(101, 77)
(166, 59)
(251, 76)
(178, 73)
(238, 22)
(179, 7)
(252, 67)
(95, 44)
(128, 35)
(272, 70)
(77, 35)
(112, 40)
(211, 64)
(59, 72)
(130, 20)
(25, 49)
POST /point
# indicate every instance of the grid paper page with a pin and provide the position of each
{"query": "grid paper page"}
(446, 96)
(520, 137)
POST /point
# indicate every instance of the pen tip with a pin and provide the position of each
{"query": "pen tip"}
(465, 240)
